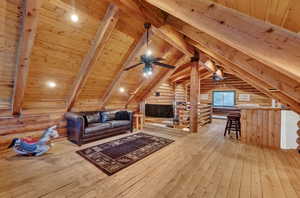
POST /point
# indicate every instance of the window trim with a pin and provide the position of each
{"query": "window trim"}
(234, 98)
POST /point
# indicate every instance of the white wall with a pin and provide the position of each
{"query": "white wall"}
(289, 129)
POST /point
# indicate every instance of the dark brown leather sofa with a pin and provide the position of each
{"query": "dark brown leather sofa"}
(85, 127)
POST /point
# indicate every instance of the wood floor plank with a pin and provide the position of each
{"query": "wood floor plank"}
(283, 176)
(271, 175)
(235, 182)
(246, 175)
(205, 164)
(256, 187)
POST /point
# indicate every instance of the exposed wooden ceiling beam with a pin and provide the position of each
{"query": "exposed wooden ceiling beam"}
(142, 10)
(29, 22)
(151, 13)
(203, 76)
(114, 85)
(174, 38)
(211, 65)
(182, 67)
(185, 70)
(186, 74)
(250, 78)
(257, 83)
(104, 31)
(206, 75)
(207, 43)
(270, 44)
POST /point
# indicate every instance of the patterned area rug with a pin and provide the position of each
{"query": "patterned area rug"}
(115, 155)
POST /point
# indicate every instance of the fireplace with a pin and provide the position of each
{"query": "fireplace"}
(159, 111)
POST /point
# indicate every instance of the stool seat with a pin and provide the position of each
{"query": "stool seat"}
(233, 124)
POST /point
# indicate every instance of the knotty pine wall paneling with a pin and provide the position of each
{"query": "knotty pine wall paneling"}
(261, 127)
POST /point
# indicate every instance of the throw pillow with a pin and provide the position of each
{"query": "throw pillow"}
(122, 115)
(92, 118)
(108, 116)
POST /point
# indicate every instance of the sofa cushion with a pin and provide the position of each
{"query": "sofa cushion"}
(92, 118)
(98, 127)
(119, 123)
(108, 116)
(122, 115)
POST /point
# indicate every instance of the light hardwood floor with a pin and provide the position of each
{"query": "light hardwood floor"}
(195, 165)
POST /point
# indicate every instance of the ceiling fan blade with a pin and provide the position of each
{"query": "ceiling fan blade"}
(164, 65)
(132, 66)
(158, 59)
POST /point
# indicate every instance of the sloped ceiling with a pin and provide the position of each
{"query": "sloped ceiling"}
(282, 13)
(258, 52)
(59, 49)
(61, 45)
(9, 34)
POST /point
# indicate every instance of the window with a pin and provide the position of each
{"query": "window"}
(224, 98)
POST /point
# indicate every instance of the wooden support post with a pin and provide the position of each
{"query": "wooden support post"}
(103, 33)
(194, 95)
(29, 22)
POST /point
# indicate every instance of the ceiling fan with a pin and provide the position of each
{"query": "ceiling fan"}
(218, 75)
(148, 60)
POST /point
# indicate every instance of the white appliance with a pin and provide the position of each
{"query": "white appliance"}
(289, 129)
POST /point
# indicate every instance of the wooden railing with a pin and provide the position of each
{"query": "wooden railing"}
(204, 115)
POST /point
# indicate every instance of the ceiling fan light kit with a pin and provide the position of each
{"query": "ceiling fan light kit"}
(148, 59)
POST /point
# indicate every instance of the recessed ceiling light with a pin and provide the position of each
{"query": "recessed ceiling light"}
(74, 18)
(51, 84)
(121, 89)
(149, 52)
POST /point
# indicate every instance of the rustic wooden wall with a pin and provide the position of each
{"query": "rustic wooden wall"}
(231, 83)
(166, 92)
(180, 95)
(29, 126)
(9, 34)
(261, 127)
(257, 99)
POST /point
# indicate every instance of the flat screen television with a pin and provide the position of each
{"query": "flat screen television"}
(159, 111)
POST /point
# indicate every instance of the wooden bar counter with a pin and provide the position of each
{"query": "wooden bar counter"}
(261, 126)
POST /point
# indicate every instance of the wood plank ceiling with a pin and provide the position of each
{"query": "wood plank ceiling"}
(281, 13)
(60, 47)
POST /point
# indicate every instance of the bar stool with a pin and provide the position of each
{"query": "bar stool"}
(233, 124)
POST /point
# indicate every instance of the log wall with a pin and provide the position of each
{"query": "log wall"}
(29, 126)
(180, 95)
(261, 127)
(255, 98)
(166, 95)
